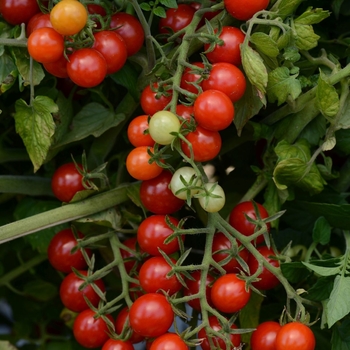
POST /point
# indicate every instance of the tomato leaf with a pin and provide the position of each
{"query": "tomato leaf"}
(322, 231)
(294, 271)
(265, 44)
(169, 3)
(7, 66)
(336, 5)
(344, 119)
(285, 8)
(36, 127)
(323, 271)
(321, 290)
(306, 37)
(312, 16)
(40, 290)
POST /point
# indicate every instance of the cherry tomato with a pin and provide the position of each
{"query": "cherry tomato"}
(39, 20)
(229, 293)
(163, 127)
(245, 9)
(230, 51)
(153, 276)
(218, 342)
(193, 288)
(69, 17)
(264, 337)
(267, 279)
(58, 68)
(208, 15)
(138, 134)
(213, 110)
(151, 315)
(95, 10)
(121, 321)
(112, 47)
(168, 341)
(87, 67)
(213, 199)
(114, 344)
(157, 197)
(189, 77)
(152, 233)
(130, 260)
(88, 331)
(66, 182)
(138, 166)
(176, 19)
(206, 144)
(238, 219)
(226, 78)
(59, 252)
(182, 179)
(45, 45)
(18, 11)
(130, 29)
(221, 247)
(73, 298)
(151, 103)
(186, 112)
(295, 336)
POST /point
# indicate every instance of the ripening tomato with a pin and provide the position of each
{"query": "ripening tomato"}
(151, 103)
(86, 67)
(164, 127)
(245, 9)
(295, 336)
(39, 20)
(17, 12)
(137, 132)
(121, 321)
(115, 344)
(45, 45)
(229, 293)
(264, 337)
(58, 68)
(189, 77)
(138, 166)
(69, 17)
(230, 51)
(212, 198)
(168, 341)
(226, 78)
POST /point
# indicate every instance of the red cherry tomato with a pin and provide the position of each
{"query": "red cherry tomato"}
(149, 101)
(59, 252)
(229, 293)
(168, 341)
(95, 10)
(39, 20)
(156, 196)
(58, 68)
(138, 132)
(186, 112)
(295, 336)
(18, 11)
(66, 182)
(114, 344)
(121, 321)
(189, 77)
(245, 9)
(264, 337)
(151, 315)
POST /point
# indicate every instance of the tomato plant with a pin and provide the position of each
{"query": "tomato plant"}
(244, 10)
(18, 11)
(137, 132)
(264, 337)
(112, 344)
(121, 321)
(169, 341)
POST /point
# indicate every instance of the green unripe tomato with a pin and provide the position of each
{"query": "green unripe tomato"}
(183, 179)
(161, 125)
(214, 199)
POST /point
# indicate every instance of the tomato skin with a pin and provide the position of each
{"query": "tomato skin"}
(66, 182)
(295, 336)
(245, 9)
(168, 341)
(230, 51)
(215, 325)
(59, 252)
(57, 68)
(238, 220)
(136, 132)
(18, 11)
(113, 48)
(152, 232)
(73, 298)
(150, 104)
(121, 319)
(39, 20)
(114, 344)
(226, 78)
(206, 144)
(162, 127)
(189, 77)
(90, 332)
(87, 67)
(156, 196)
(186, 112)
(151, 315)
(264, 337)
(45, 45)
(228, 293)
(130, 29)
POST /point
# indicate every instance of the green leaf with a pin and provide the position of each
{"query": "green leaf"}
(255, 69)
(5, 345)
(343, 140)
(312, 16)
(339, 302)
(105, 218)
(169, 3)
(322, 231)
(145, 6)
(40, 290)
(159, 11)
(93, 119)
(294, 271)
(336, 5)
(36, 127)
(306, 37)
(265, 44)
(321, 289)
(323, 271)
(343, 121)
(281, 85)
(327, 98)
(285, 8)
(7, 66)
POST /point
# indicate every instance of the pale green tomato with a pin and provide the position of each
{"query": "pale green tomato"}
(161, 125)
(183, 180)
(214, 200)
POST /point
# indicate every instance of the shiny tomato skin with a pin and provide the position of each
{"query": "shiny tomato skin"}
(230, 51)
(238, 220)
(66, 182)
(86, 67)
(189, 77)
(17, 12)
(150, 104)
(295, 336)
(245, 9)
(186, 112)
(215, 325)
(138, 132)
(226, 78)
(264, 337)
(151, 315)
(156, 196)
(121, 321)
(45, 45)
(229, 293)
(206, 144)
(73, 298)
(58, 68)
(90, 332)
(115, 344)
(130, 29)
(113, 48)
(39, 20)
(168, 341)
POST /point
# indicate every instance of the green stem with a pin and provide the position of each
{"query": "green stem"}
(26, 185)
